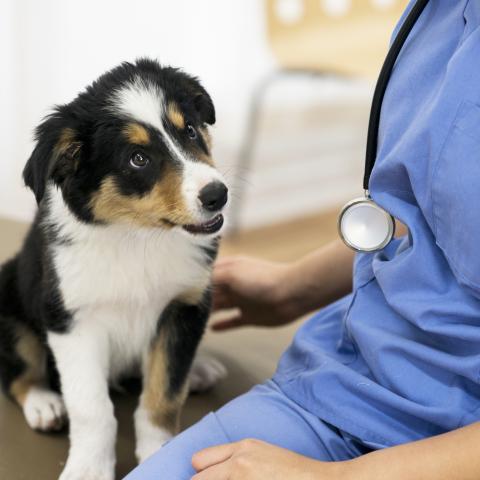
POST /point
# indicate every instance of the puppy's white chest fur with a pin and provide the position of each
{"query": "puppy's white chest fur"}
(118, 280)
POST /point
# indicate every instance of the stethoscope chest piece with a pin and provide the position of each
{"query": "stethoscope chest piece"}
(364, 226)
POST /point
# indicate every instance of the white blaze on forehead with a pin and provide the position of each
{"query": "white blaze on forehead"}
(145, 102)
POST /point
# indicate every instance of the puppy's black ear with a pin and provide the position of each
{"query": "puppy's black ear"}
(54, 157)
(204, 106)
(188, 89)
(200, 98)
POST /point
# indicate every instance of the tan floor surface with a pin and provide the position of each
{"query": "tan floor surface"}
(250, 355)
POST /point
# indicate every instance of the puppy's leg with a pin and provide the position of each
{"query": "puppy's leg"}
(166, 369)
(82, 358)
(157, 415)
(23, 373)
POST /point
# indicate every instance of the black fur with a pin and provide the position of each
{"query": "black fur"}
(11, 365)
(182, 326)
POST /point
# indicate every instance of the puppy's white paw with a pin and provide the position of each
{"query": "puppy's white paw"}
(84, 475)
(205, 373)
(90, 469)
(150, 438)
(148, 444)
(44, 410)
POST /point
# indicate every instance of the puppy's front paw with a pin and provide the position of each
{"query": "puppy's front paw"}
(148, 444)
(150, 437)
(44, 410)
(206, 372)
(101, 470)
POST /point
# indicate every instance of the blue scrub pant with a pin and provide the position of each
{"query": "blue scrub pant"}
(264, 413)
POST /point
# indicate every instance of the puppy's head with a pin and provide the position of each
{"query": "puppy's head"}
(133, 148)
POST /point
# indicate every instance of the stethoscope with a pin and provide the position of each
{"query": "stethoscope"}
(363, 225)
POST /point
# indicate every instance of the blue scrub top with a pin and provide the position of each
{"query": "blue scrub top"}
(399, 359)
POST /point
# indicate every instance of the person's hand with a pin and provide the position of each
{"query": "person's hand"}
(256, 460)
(256, 288)
(271, 294)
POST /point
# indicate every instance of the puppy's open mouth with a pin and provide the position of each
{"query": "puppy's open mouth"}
(212, 226)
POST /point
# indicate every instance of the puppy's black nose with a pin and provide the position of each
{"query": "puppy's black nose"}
(213, 196)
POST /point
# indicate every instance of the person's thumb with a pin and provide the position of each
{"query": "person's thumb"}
(233, 321)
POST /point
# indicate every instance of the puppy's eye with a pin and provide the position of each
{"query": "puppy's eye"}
(191, 132)
(137, 160)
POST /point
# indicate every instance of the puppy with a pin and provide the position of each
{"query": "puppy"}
(114, 275)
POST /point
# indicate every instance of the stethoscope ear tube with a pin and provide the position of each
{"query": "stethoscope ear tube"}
(362, 222)
(381, 87)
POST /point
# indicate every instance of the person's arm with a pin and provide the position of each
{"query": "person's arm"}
(323, 276)
(271, 294)
(452, 456)
(319, 278)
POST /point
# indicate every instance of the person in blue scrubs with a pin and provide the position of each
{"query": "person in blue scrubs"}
(398, 358)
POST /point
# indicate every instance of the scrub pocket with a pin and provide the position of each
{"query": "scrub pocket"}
(456, 196)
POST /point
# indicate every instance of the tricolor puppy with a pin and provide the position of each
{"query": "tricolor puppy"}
(114, 275)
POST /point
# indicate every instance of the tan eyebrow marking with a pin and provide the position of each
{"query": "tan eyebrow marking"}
(175, 116)
(67, 137)
(136, 134)
(207, 138)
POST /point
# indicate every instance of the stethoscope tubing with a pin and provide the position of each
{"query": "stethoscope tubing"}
(363, 234)
(381, 87)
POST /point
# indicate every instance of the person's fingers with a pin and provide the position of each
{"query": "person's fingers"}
(212, 456)
(222, 276)
(222, 261)
(221, 292)
(229, 323)
(221, 298)
(229, 260)
(224, 270)
(217, 472)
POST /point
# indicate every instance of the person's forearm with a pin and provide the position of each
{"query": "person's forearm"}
(452, 456)
(319, 278)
